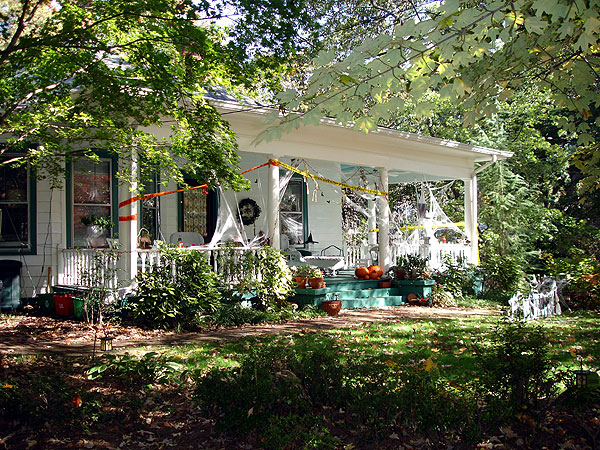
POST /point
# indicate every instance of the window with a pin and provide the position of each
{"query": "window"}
(150, 210)
(292, 212)
(16, 209)
(92, 202)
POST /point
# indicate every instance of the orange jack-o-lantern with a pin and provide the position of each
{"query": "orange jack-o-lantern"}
(360, 272)
(375, 272)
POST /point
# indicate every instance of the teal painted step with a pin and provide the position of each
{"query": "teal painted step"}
(422, 288)
(366, 293)
(344, 285)
(395, 300)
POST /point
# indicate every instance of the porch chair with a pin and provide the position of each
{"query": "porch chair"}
(187, 237)
(370, 256)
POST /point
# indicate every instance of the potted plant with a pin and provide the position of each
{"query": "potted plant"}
(315, 279)
(413, 279)
(332, 306)
(96, 228)
(411, 267)
(384, 283)
(301, 274)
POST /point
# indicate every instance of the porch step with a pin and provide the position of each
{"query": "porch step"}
(351, 303)
(395, 300)
(353, 293)
(368, 293)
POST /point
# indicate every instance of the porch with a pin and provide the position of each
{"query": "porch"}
(75, 264)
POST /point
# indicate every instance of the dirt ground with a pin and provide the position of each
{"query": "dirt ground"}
(29, 334)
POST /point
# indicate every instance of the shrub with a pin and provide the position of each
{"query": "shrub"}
(502, 276)
(515, 369)
(277, 388)
(583, 276)
(152, 368)
(263, 277)
(178, 293)
(458, 277)
(275, 284)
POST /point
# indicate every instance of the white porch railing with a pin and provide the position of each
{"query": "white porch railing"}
(360, 255)
(222, 260)
(74, 264)
(76, 267)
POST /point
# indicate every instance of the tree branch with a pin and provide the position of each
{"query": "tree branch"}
(20, 27)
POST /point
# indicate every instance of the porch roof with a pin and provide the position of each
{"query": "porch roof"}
(407, 156)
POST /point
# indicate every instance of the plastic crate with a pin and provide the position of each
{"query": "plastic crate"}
(63, 305)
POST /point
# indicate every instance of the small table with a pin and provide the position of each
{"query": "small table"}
(325, 262)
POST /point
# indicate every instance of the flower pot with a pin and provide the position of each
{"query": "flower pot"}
(400, 274)
(414, 300)
(331, 307)
(385, 284)
(301, 282)
(316, 283)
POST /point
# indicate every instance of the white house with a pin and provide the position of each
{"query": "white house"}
(43, 228)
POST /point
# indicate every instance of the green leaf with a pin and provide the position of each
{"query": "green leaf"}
(460, 87)
(586, 40)
(585, 139)
(325, 57)
(365, 124)
(347, 80)
(535, 25)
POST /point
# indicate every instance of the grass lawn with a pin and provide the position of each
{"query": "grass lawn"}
(450, 342)
(146, 401)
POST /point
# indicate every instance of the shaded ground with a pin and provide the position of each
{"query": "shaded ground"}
(27, 334)
(53, 405)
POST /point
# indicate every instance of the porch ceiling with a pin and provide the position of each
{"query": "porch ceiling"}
(407, 156)
(394, 176)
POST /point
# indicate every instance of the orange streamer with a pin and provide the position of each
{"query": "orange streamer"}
(158, 194)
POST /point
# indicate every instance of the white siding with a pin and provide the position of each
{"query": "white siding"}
(50, 237)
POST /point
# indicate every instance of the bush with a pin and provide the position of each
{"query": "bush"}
(264, 277)
(276, 389)
(178, 293)
(152, 368)
(458, 278)
(516, 370)
(583, 276)
(502, 276)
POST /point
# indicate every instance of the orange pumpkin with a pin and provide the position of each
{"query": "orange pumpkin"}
(366, 277)
(375, 272)
(360, 272)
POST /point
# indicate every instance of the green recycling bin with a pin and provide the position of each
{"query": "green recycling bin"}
(78, 308)
(10, 284)
(45, 303)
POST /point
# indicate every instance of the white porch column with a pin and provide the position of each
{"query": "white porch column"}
(471, 217)
(128, 229)
(384, 222)
(372, 223)
(273, 205)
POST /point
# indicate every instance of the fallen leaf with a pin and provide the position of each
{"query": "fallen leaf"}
(508, 432)
(429, 365)
(76, 400)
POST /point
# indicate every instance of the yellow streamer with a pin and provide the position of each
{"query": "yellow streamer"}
(326, 180)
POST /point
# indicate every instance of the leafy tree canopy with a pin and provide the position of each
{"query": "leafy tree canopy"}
(473, 53)
(79, 75)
